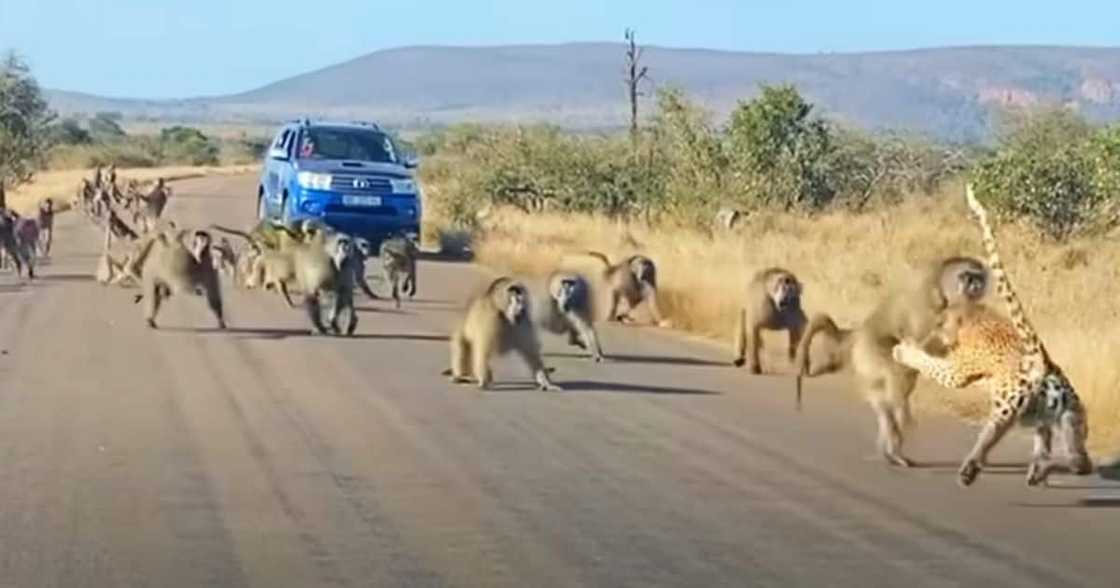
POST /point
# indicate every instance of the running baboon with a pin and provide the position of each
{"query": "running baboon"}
(171, 268)
(120, 228)
(634, 280)
(46, 225)
(109, 269)
(398, 265)
(496, 322)
(27, 236)
(910, 312)
(362, 251)
(773, 303)
(225, 258)
(153, 204)
(9, 244)
(345, 256)
(568, 310)
(317, 268)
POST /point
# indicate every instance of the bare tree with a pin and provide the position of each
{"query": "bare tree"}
(635, 73)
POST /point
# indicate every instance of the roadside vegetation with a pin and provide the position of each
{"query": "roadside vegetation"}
(849, 212)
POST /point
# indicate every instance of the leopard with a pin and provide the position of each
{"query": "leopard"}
(1006, 356)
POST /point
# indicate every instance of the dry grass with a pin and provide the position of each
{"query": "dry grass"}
(846, 261)
(61, 185)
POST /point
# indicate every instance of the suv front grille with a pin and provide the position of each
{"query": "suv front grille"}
(359, 184)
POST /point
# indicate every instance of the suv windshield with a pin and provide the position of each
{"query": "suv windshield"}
(354, 144)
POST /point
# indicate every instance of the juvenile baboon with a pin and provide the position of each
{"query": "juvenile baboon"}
(634, 280)
(398, 265)
(46, 225)
(362, 251)
(497, 322)
(773, 303)
(910, 312)
(171, 268)
(568, 310)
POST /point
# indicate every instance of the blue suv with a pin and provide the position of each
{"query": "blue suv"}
(352, 176)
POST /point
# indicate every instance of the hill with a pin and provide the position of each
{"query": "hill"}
(949, 92)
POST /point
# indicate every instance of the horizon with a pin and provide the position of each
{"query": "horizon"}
(159, 53)
(916, 49)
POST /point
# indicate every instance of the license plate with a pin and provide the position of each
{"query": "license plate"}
(361, 201)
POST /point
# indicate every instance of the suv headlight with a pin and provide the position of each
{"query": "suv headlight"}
(403, 186)
(314, 181)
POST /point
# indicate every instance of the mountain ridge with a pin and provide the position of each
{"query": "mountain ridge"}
(949, 92)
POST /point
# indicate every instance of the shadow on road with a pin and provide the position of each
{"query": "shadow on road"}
(66, 277)
(587, 386)
(280, 333)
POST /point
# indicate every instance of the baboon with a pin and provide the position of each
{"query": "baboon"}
(362, 250)
(398, 265)
(568, 310)
(109, 269)
(773, 303)
(910, 312)
(840, 339)
(46, 225)
(634, 280)
(317, 263)
(171, 268)
(121, 229)
(10, 245)
(496, 322)
(27, 236)
(273, 270)
(153, 204)
(345, 256)
(225, 258)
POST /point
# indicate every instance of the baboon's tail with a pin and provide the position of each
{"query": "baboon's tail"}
(820, 322)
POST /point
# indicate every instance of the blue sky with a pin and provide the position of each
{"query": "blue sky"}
(153, 48)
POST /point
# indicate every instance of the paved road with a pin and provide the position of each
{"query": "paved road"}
(262, 456)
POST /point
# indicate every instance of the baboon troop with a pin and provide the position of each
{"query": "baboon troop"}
(932, 324)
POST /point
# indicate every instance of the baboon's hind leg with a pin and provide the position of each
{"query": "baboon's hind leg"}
(214, 301)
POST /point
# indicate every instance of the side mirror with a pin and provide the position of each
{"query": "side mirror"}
(410, 161)
(278, 153)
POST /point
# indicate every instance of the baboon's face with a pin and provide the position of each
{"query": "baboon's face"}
(644, 270)
(516, 299)
(964, 279)
(200, 243)
(786, 292)
(342, 249)
(362, 246)
(567, 294)
(972, 284)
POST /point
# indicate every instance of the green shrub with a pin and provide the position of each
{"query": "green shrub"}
(1055, 170)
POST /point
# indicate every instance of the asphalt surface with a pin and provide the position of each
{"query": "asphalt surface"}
(267, 457)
